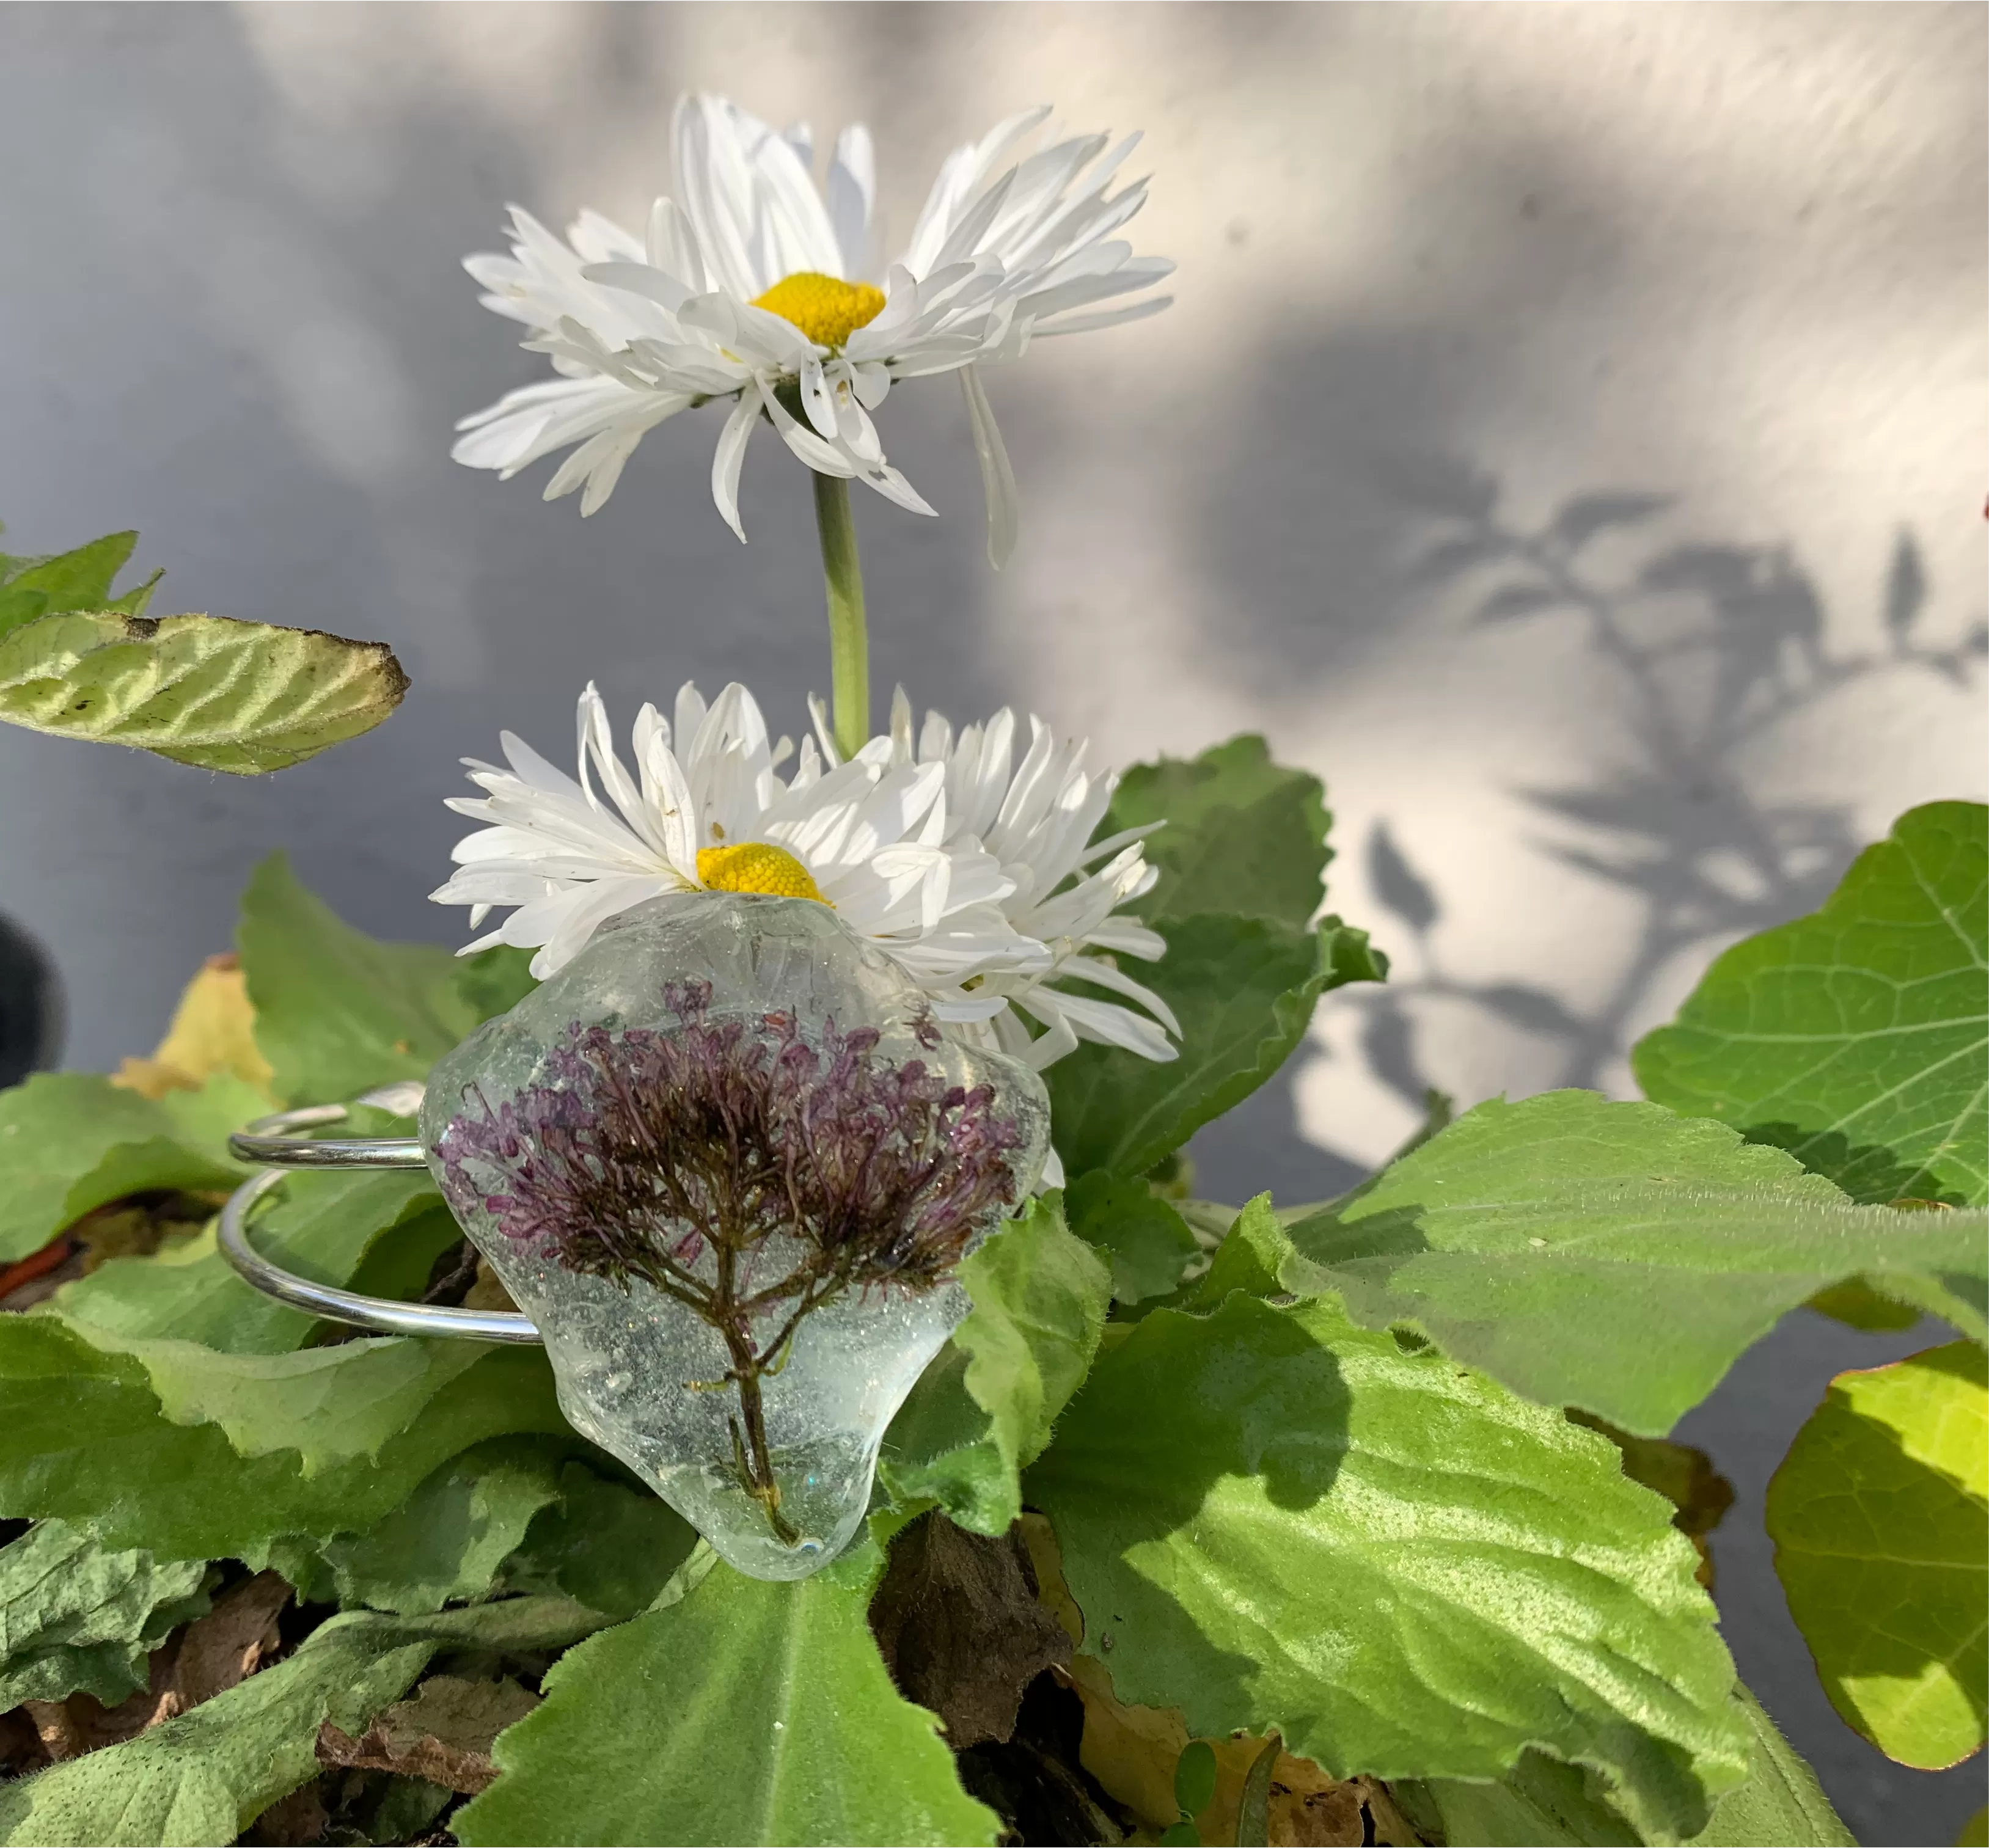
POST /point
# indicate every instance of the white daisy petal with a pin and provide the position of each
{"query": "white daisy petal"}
(749, 280)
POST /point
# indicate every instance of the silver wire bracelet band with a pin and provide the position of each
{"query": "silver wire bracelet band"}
(267, 1140)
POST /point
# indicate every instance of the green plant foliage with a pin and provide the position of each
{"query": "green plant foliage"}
(1252, 1252)
(1857, 1038)
(745, 1712)
(1546, 1805)
(1148, 1242)
(1244, 990)
(1880, 1517)
(1243, 835)
(206, 1775)
(601, 1543)
(337, 1012)
(1527, 1237)
(1283, 1520)
(81, 580)
(87, 1440)
(246, 697)
(445, 1542)
(70, 1141)
(1040, 1295)
(322, 1226)
(77, 1617)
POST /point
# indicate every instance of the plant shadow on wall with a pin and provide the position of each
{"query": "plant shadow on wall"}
(1715, 649)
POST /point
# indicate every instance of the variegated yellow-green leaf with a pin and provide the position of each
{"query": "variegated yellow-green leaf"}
(242, 697)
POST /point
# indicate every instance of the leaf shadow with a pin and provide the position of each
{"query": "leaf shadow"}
(1712, 649)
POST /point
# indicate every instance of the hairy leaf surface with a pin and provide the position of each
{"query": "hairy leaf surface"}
(985, 1407)
(76, 1616)
(1283, 1520)
(1880, 1517)
(1243, 989)
(1857, 1038)
(1527, 1237)
(746, 1712)
(205, 1776)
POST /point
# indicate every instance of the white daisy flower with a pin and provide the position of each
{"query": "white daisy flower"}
(1037, 820)
(751, 285)
(710, 812)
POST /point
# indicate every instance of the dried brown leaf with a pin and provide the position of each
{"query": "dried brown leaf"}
(209, 1656)
(957, 1619)
(443, 1734)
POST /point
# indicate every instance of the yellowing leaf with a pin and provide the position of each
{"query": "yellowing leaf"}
(242, 697)
(212, 1030)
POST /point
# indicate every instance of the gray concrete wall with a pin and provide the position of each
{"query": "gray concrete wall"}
(1701, 287)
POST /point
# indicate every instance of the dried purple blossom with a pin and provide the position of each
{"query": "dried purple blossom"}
(741, 1169)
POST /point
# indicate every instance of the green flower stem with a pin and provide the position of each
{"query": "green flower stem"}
(849, 641)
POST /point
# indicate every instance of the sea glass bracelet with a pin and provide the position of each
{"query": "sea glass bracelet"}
(272, 1142)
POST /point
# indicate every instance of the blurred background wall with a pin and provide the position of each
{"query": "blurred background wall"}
(1567, 441)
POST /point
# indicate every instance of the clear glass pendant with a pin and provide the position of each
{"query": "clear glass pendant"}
(727, 1164)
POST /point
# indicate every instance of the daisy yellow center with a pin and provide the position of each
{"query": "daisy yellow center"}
(825, 308)
(754, 866)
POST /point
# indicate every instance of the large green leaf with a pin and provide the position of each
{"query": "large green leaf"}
(746, 1712)
(70, 1141)
(1243, 834)
(322, 1226)
(1880, 1518)
(1243, 989)
(87, 1440)
(1271, 1517)
(205, 1776)
(1546, 1805)
(1857, 1038)
(76, 1616)
(609, 1546)
(985, 1408)
(1146, 1241)
(1527, 1237)
(242, 697)
(81, 580)
(445, 1543)
(338, 1013)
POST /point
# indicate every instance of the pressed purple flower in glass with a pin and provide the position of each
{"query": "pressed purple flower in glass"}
(727, 1163)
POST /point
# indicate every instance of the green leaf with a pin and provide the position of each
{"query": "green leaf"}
(1283, 1520)
(1243, 834)
(205, 1776)
(88, 1440)
(1243, 989)
(1527, 1237)
(1546, 1805)
(985, 1409)
(70, 1142)
(242, 697)
(1252, 1252)
(1148, 1242)
(1880, 1517)
(1781, 1805)
(602, 1543)
(1857, 1038)
(746, 1712)
(338, 1013)
(81, 580)
(76, 1616)
(495, 981)
(321, 1227)
(446, 1541)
